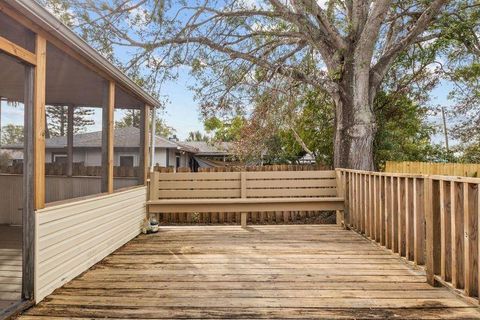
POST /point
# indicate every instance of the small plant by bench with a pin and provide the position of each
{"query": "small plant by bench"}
(246, 192)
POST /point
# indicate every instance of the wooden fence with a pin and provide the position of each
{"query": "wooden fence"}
(79, 170)
(248, 185)
(280, 167)
(429, 220)
(449, 169)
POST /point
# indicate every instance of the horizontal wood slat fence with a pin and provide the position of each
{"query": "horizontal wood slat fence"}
(429, 220)
(276, 167)
(449, 169)
(79, 170)
(215, 186)
(280, 167)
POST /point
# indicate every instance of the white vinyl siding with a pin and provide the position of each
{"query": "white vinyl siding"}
(70, 238)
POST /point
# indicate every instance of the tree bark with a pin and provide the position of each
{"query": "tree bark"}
(355, 125)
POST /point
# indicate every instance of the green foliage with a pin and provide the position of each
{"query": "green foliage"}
(470, 153)
(314, 125)
(12, 134)
(197, 136)
(460, 40)
(403, 134)
(225, 130)
(57, 120)
(132, 119)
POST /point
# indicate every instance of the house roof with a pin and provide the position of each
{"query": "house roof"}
(210, 148)
(36, 13)
(128, 137)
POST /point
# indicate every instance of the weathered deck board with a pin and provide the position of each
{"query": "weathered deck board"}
(296, 272)
(10, 265)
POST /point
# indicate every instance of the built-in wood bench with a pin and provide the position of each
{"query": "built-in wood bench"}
(245, 192)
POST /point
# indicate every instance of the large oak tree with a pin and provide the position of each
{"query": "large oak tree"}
(342, 47)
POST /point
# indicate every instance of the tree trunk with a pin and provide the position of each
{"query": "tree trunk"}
(355, 127)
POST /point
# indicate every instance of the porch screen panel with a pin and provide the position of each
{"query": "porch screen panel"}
(128, 155)
(75, 100)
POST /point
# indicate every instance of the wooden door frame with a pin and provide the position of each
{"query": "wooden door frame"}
(28, 213)
(28, 218)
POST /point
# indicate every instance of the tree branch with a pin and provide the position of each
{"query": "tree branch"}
(381, 67)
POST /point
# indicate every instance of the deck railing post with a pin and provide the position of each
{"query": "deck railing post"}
(154, 181)
(347, 194)
(340, 193)
(432, 220)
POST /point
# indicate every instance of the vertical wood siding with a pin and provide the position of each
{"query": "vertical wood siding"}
(71, 238)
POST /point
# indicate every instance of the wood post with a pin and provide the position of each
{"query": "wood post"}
(409, 219)
(419, 221)
(340, 217)
(456, 224)
(144, 143)
(381, 209)
(470, 191)
(28, 213)
(107, 136)
(154, 181)
(39, 121)
(243, 194)
(348, 200)
(388, 212)
(70, 118)
(445, 232)
(402, 212)
(394, 213)
(432, 219)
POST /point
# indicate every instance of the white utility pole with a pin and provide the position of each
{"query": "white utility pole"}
(445, 130)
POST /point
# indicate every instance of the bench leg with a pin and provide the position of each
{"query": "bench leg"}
(243, 218)
(340, 218)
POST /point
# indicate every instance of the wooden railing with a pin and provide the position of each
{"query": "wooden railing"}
(429, 220)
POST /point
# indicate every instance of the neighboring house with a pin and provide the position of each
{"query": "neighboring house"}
(87, 149)
(210, 154)
(168, 152)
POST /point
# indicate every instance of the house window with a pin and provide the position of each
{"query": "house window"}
(59, 158)
(126, 161)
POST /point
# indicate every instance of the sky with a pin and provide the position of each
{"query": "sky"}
(181, 112)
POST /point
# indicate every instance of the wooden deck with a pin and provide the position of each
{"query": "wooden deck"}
(10, 265)
(225, 272)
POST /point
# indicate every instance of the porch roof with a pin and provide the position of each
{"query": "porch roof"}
(36, 13)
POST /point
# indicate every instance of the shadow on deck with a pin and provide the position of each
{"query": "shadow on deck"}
(225, 272)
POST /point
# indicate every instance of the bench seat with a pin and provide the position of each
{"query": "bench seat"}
(246, 204)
